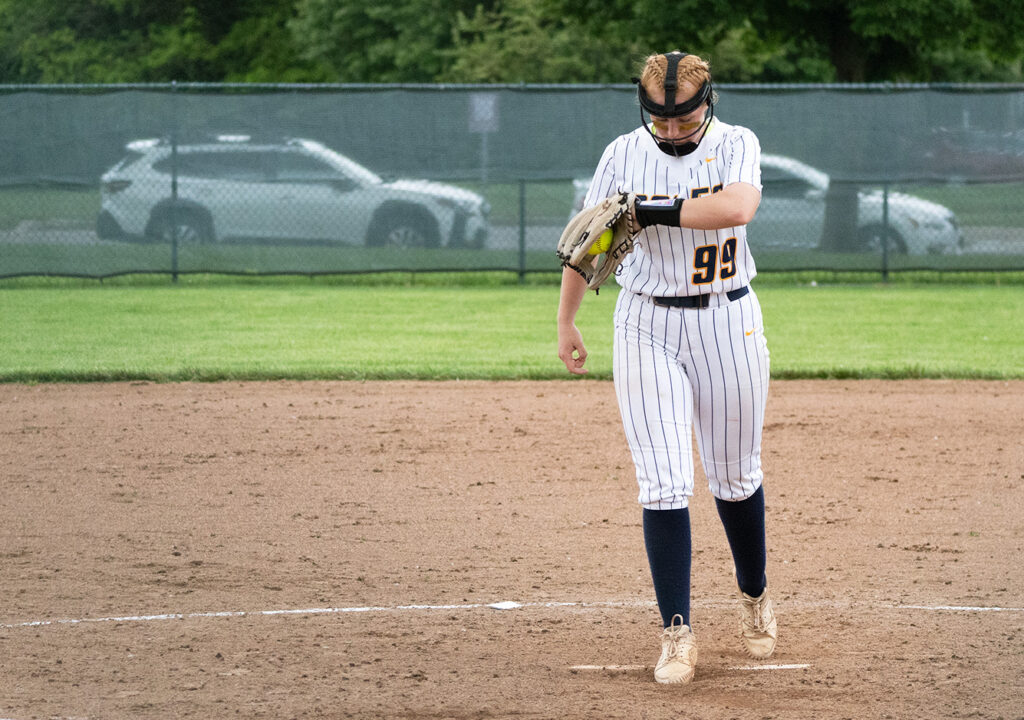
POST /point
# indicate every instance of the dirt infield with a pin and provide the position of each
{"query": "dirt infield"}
(296, 550)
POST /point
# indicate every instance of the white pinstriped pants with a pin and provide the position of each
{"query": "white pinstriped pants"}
(679, 370)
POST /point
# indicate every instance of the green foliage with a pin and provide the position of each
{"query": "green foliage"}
(516, 42)
(378, 42)
(745, 56)
(559, 41)
(99, 41)
(262, 48)
(900, 40)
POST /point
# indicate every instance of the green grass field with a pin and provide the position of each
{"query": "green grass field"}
(304, 329)
(75, 205)
(545, 201)
(984, 204)
(113, 258)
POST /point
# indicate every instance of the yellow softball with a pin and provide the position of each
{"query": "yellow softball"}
(603, 243)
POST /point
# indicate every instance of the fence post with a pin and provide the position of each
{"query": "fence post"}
(522, 231)
(174, 181)
(885, 232)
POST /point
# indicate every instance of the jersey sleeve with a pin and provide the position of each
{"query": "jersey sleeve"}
(603, 183)
(744, 159)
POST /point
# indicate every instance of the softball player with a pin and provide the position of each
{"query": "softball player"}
(689, 348)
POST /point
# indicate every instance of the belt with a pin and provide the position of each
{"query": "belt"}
(697, 301)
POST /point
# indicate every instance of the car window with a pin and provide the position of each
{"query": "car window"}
(221, 165)
(127, 160)
(297, 166)
(359, 174)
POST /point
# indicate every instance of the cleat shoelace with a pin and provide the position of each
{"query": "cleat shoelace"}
(677, 638)
(761, 619)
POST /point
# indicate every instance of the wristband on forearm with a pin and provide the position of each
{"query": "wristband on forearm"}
(658, 212)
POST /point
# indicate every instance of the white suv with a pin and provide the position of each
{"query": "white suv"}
(236, 188)
(792, 214)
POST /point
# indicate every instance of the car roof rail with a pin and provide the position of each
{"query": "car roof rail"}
(220, 138)
(143, 144)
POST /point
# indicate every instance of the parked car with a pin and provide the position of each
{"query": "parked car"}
(234, 187)
(971, 154)
(792, 214)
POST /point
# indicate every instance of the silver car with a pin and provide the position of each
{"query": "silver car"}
(792, 214)
(295, 189)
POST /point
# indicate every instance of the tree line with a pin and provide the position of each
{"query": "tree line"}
(506, 41)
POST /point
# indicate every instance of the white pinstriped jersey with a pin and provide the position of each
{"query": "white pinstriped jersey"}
(680, 261)
(680, 370)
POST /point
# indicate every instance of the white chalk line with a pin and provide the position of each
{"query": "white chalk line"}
(636, 668)
(959, 608)
(501, 605)
(791, 666)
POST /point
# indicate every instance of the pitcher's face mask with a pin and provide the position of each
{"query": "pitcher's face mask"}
(684, 145)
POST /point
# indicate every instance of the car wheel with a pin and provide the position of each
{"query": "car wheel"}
(871, 240)
(192, 228)
(404, 229)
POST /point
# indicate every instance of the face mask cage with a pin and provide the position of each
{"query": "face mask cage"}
(681, 146)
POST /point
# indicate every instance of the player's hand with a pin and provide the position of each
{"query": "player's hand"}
(571, 349)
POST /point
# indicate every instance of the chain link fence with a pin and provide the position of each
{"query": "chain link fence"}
(97, 181)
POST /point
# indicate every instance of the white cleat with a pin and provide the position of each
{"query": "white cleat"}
(678, 653)
(758, 626)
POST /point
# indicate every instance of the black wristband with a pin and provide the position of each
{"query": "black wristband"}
(663, 211)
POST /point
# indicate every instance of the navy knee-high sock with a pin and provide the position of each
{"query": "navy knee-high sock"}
(744, 527)
(667, 538)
